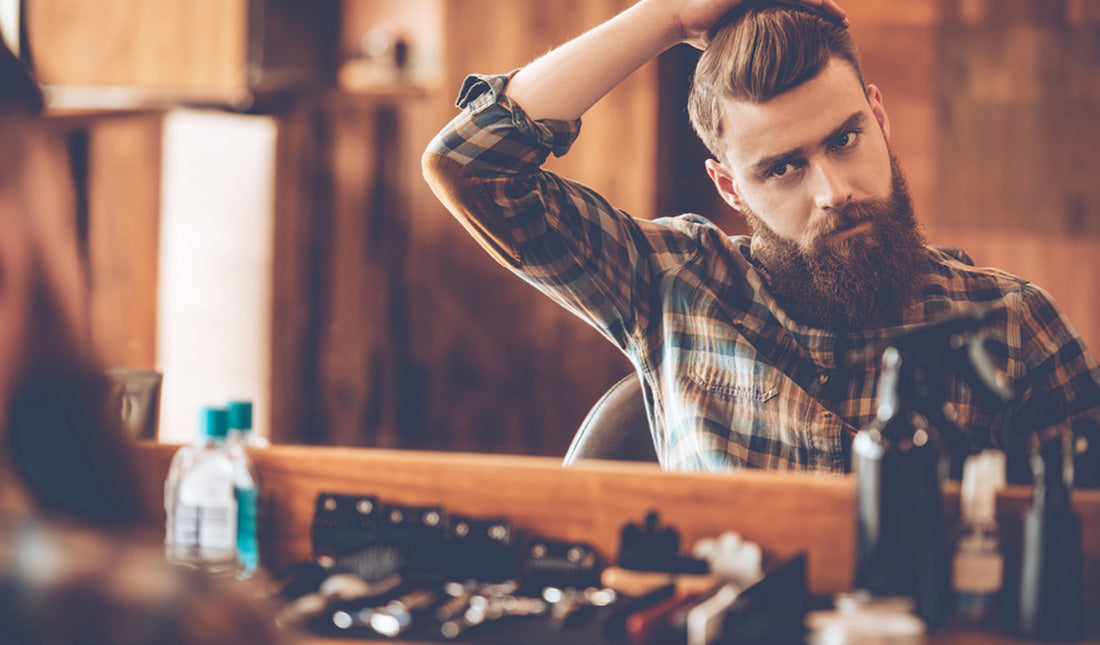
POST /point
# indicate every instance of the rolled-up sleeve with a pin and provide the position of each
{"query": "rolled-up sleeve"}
(485, 166)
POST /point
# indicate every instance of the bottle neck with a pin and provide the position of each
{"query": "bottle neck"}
(210, 441)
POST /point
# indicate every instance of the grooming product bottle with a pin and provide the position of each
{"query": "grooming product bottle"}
(978, 567)
(246, 486)
(200, 501)
(901, 544)
(1051, 574)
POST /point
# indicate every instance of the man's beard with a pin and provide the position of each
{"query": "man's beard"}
(864, 282)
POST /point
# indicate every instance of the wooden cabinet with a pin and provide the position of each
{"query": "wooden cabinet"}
(212, 51)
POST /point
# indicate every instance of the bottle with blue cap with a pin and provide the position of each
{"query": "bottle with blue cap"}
(246, 486)
(200, 500)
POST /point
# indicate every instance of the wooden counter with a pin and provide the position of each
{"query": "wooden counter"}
(591, 502)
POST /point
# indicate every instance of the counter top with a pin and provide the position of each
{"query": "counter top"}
(785, 513)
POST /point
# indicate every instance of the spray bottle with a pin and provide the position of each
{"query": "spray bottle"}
(1051, 574)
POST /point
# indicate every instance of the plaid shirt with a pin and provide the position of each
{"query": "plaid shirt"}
(730, 380)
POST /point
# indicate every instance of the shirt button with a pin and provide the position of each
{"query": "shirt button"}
(823, 378)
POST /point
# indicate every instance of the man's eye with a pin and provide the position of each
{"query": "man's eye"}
(846, 140)
(780, 169)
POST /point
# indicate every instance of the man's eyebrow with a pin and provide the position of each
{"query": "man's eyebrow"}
(850, 123)
(764, 165)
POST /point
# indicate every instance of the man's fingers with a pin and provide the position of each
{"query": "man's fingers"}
(826, 6)
(832, 7)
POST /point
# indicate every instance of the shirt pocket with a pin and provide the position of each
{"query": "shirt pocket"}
(732, 413)
(746, 381)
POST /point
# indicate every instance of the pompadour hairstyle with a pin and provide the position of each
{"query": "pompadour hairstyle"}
(757, 52)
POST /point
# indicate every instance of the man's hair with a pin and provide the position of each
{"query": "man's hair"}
(18, 91)
(758, 52)
(64, 441)
(20, 100)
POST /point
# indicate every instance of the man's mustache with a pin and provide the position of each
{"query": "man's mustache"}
(850, 215)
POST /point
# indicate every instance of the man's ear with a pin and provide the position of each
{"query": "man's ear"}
(725, 184)
(874, 99)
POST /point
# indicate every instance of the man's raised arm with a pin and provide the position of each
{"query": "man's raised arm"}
(567, 81)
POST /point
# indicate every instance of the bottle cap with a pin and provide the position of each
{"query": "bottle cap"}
(213, 422)
(983, 476)
(240, 415)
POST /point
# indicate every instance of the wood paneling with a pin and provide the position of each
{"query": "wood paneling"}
(500, 368)
(1018, 126)
(115, 160)
(184, 45)
(1018, 91)
(341, 326)
(124, 237)
(1066, 266)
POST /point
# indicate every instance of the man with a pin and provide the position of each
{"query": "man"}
(744, 345)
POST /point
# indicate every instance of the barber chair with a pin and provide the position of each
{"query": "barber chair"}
(616, 427)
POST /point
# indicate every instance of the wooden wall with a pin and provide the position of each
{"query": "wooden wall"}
(1018, 145)
(115, 160)
(447, 350)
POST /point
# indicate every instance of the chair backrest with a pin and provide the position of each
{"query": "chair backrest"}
(616, 427)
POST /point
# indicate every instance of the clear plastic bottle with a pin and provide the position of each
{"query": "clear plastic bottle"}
(200, 501)
(246, 483)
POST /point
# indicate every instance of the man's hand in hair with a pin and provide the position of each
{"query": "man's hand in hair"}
(698, 17)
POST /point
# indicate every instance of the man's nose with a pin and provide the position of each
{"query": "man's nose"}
(831, 187)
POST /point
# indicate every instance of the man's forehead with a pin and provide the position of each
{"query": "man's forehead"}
(799, 117)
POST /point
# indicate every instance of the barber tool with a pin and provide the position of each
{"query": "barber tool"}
(552, 563)
(729, 556)
(480, 548)
(421, 532)
(566, 605)
(704, 621)
(1051, 575)
(486, 603)
(772, 609)
(677, 619)
(901, 544)
(391, 619)
(371, 572)
(615, 625)
(752, 607)
(343, 523)
(460, 595)
(396, 616)
(644, 626)
(629, 582)
(649, 548)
